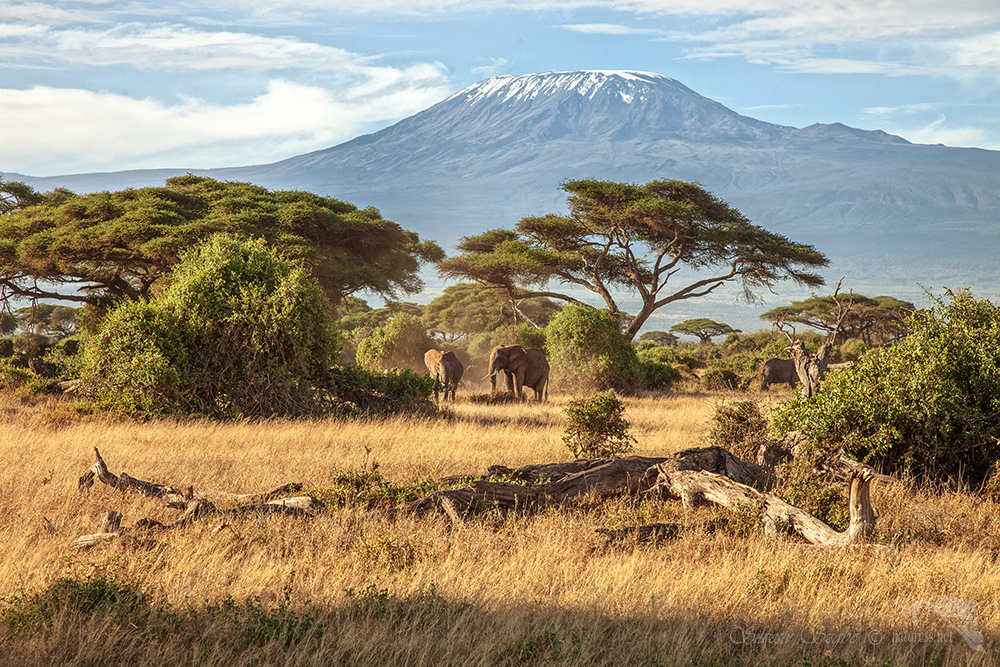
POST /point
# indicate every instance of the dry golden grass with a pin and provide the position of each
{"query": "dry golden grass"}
(517, 590)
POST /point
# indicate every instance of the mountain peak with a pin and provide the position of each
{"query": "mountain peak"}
(628, 85)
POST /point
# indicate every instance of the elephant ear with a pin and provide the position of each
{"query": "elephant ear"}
(518, 357)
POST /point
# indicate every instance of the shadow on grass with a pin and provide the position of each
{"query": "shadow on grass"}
(106, 622)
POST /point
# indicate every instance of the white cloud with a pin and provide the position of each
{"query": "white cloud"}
(53, 130)
(168, 46)
(608, 29)
(940, 131)
(496, 66)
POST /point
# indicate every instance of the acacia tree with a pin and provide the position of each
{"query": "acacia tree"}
(636, 238)
(122, 243)
(877, 320)
(704, 328)
(467, 309)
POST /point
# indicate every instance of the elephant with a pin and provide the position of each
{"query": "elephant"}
(446, 369)
(776, 371)
(522, 367)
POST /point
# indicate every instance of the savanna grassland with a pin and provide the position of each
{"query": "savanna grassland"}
(351, 587)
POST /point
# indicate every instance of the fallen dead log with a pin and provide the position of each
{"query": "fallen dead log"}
(195, 507)
(712, 474)
(600, 478)
(691, 486)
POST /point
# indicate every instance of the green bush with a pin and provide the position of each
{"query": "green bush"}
(586, 351)
(356, 391)
(660, 354)
(720, 380)
(598, 428)
(657, 377)
(238, 332)
(740, 427)
(399, 343)
(928, 407)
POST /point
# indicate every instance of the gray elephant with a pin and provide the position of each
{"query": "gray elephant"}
(777, 371)
(446, 369)
(522, 367)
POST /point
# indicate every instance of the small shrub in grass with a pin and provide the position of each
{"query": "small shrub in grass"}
(720, 380)
(740, 427)
(359, 392)
(257, 625)
(598, 428)
(375, 602)
(27, 612)
(656, 376)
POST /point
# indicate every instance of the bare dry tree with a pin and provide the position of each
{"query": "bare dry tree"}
(812, 367)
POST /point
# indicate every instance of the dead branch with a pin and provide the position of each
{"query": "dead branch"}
(195, 507)
(711, 474)
(691, 486)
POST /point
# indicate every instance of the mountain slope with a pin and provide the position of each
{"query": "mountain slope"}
(889, 213)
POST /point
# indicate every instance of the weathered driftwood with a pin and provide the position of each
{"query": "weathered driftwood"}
(195, 507)
(600, 478)
(690, 486)
(709, 473)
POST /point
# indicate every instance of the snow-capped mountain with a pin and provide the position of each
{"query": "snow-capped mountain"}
(890, 214)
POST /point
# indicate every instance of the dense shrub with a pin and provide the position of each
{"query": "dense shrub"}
(598, 428)
(586, 351)
(661, 354)
(928, 406)
(657, 377)
(356, 391)
(239, 331)
(720, 380)
(399, 343)
(740, 427)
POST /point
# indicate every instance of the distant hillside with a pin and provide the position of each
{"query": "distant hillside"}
(889, 213)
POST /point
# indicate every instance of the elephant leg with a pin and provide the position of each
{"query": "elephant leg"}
(510, 382)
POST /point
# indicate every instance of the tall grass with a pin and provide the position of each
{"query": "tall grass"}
(352, 587)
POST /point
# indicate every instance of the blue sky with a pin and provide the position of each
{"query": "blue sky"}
(97, 85)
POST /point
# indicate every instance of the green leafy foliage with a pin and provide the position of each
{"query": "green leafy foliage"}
(656, 376)
(587, 352)
(359, 392)
(122, 243)
(927, 407)
(598, 428)
(634, 237)
(98, 594)
(739, 426)
(239, 332)
(400, 343)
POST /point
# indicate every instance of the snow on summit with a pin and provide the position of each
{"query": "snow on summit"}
(510, 88)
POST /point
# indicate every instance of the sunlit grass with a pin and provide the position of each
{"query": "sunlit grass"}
(514, 589)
